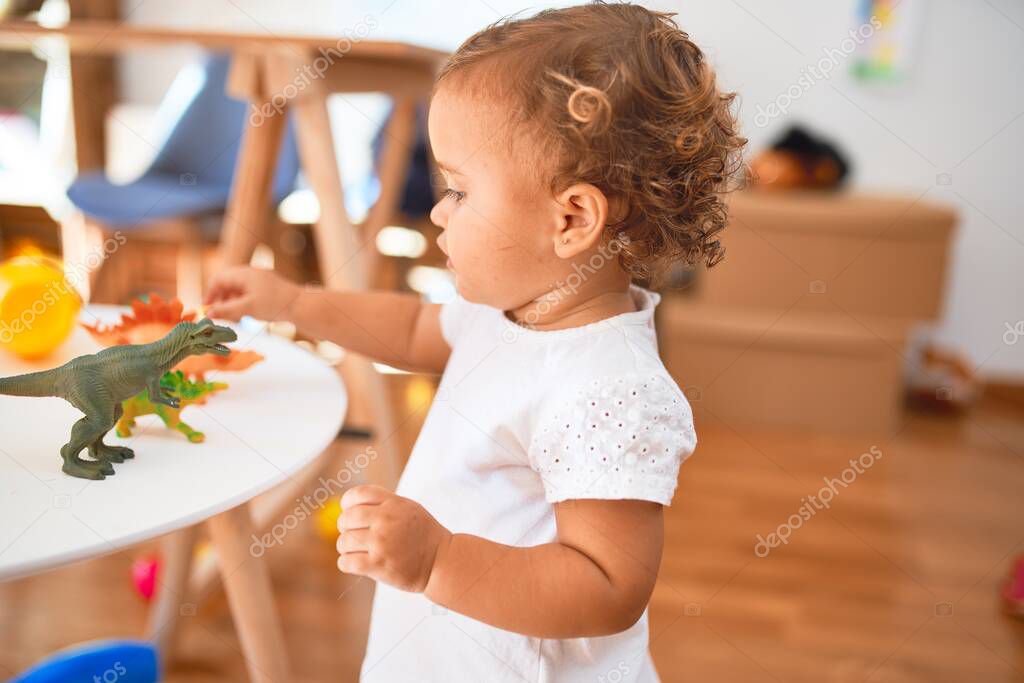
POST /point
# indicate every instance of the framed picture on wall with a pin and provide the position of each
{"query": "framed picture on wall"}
(888, 31)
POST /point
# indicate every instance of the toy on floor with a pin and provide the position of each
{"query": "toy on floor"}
(146, 570)
(176, 385)
(38, 307)
(151, 320)
(97, 383)
(1013, 590)
(144, 573)
(124, 661)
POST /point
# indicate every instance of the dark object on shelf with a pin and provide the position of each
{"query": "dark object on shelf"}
(800, 160)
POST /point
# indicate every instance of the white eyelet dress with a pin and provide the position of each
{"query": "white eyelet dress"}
(524, 419)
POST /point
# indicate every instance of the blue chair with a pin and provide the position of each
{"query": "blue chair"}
(192, 173)
(124, 661)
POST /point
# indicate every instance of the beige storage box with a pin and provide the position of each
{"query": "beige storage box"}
(824, 371)
(857, 253)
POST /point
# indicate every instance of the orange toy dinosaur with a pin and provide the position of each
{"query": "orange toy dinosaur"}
(151, 321)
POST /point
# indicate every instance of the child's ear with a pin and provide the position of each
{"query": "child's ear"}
(582, 216)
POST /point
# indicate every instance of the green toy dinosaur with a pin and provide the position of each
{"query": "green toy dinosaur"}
(97, 383)
(185, 390)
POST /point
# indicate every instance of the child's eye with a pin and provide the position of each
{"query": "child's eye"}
(454, 194)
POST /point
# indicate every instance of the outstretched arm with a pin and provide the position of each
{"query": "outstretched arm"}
(595, 580)
(396, 328)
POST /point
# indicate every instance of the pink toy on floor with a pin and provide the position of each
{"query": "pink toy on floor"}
(144, 571)
(1013, 591)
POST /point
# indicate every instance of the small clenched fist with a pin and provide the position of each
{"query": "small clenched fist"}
(388, 538)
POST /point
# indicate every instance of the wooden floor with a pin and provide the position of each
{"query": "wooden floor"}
(897, 581)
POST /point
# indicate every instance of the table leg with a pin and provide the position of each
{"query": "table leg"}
(339, 250)
(250, 191)
(247, 585)
(393, 168)
(172, 592)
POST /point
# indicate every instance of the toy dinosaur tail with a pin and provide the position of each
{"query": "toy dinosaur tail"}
(30, 384)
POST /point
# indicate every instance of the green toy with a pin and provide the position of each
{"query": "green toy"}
(186, 391)
(97, 383)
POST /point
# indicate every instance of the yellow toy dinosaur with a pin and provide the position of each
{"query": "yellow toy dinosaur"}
(174, 384)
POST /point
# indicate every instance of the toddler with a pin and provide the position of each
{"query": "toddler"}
(585, 151)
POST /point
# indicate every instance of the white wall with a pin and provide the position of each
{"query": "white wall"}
(961, 113)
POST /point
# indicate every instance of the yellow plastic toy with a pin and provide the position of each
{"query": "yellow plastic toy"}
(327, 518)
(38, 307)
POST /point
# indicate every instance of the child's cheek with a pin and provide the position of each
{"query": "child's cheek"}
(471, 259)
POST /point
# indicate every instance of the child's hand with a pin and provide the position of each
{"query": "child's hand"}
(262, 294)
(388, 538)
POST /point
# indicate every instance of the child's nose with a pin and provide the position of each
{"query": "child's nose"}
(438, 216)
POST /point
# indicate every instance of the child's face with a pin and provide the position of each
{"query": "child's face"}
(499, 222)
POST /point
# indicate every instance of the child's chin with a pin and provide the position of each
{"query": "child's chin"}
(462, 290)
(465, 292)
(475, 295)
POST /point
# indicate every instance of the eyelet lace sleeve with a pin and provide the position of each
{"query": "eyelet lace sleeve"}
(619, 437)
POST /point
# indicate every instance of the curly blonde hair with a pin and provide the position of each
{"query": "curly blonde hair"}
(624, 100)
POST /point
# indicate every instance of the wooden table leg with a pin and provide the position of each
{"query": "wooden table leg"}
(340, 254)
(172, 597)
(254, 170)
(247, 585)
(392, 170)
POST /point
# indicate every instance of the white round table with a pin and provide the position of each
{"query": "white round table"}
(275, 418)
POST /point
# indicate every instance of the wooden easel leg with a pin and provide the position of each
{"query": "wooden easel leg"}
(250, 192)
(399, 140)
(247, 585)
(340, 253)
(172, 598)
